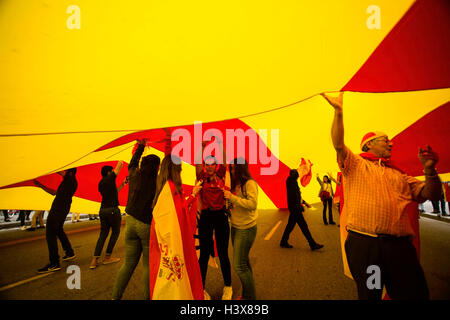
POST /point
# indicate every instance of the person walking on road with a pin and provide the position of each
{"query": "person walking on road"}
(295, 206)
(56, 217)
(110, 217)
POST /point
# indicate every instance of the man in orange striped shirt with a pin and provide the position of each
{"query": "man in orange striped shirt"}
(377, 194)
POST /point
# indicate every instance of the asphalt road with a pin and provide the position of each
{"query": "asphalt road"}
(280, 274)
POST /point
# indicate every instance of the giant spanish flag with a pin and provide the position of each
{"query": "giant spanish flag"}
(81, 80)
(173, 268)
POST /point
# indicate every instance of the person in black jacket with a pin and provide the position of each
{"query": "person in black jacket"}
(141, 191)
(110, 217)
(56, 217)
(295, 206)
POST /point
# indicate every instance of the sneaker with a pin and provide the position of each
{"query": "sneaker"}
(50, 268)
(207, 296)
(30, 229)
(69, 257)
(23, 228)
(109, 260)
(286, 245)
(316, 246)
(227, 293)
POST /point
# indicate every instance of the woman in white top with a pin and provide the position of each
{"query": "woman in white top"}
(244, 200)
(326, 195)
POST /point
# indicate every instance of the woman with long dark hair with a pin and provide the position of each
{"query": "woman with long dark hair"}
(244, 200)
(326, 196)
(141, 191)
(174, 270)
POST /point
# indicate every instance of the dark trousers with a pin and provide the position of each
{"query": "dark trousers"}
(54, 230)
(296, 217)
(399, 268)
(21, 218)
(435, 206)
(328, 203)
(5, 214)
(110, 218)
(214, 221)
(22, 215)
(443, 204)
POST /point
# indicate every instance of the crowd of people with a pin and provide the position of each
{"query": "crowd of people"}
(375, 190)
(219, 207)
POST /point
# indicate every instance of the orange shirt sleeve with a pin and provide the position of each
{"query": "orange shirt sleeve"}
(350, 162)
(416, 187)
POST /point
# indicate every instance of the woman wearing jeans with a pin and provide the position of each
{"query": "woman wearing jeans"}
(244, 200)
(141, 191)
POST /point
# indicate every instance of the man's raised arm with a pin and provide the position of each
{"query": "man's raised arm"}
(433, 187)
(337, 128)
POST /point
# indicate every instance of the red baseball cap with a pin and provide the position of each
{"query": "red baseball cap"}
(370, 136)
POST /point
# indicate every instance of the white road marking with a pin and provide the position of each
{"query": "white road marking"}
(12, 285)
(270, 234)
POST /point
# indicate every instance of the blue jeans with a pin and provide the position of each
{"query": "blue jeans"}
(137, 238)
(242, 240)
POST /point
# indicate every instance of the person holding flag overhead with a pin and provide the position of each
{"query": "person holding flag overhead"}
(378, 197)
(56, 218)
(174, 269)
(141, 191)
(110, 217)
(326, 195)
